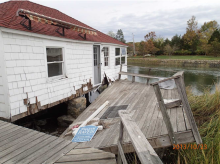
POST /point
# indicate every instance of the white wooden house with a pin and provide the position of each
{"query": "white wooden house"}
(47, 57)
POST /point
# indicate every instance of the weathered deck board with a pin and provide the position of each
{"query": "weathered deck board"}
(22, 145)
(142, 104)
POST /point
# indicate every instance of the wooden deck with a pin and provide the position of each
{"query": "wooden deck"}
(144, 109)
(21, 145)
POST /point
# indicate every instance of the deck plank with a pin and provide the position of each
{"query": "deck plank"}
(21, 146)
(41, 152)
(88, 157)
(31, 150)
(18, 140)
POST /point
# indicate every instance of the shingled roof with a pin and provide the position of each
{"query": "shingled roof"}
(8, 19)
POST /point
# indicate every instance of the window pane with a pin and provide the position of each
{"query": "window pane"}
(122, 60)
(117, 51)
(123, 51)
(117, 61)
(55, 69)
(54, 54)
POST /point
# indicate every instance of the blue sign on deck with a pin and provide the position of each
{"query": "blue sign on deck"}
(85, 133)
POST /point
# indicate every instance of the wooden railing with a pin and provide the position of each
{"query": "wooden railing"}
(143, 149)
(148, 76)
(179, 81)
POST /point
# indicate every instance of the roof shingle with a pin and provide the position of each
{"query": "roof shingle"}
(8, 19)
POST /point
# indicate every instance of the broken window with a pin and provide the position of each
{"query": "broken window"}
(106, 55)
(54, 61)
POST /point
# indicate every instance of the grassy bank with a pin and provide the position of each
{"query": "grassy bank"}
(183, 57)
(206, 110)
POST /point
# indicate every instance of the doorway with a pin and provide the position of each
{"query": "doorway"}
(97, 64)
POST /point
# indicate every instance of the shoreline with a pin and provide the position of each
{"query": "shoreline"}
(176, 62)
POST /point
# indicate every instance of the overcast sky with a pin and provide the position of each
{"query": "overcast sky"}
(165, 17)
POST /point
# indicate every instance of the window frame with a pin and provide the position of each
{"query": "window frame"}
(106, 57)
(59, 77)
(120, 56)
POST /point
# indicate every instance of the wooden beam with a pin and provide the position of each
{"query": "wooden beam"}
(182, 92)
(173, 104)
(121, 156)
(133, 79)
(141, 145)
(138, 75)
(165, 114)
(148, 74)
(175, 76)
(119, 77)
(162, 141)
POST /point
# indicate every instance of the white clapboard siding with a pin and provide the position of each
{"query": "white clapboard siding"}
(26, 68)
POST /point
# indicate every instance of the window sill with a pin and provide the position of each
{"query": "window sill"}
(56, 78)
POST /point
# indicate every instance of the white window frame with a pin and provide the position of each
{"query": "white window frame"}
(108, 55)
(59, 77)
(123, 55)
(119, 56)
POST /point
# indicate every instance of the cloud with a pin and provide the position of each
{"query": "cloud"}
(166, 18)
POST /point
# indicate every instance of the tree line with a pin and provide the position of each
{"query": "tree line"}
(196, 41)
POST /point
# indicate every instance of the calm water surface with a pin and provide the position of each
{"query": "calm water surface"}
(197, 78)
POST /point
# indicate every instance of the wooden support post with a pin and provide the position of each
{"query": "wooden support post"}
(165, 114)
(121, 156)
(148, 79)
(133, 79)
(144, 150)
(182, 93)
(119, 76)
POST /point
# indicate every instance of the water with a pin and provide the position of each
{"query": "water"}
(197, 78)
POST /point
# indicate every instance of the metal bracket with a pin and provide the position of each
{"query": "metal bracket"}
(84, 37)
(24, 20)
(63, 32)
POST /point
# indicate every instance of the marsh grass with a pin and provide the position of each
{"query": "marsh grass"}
(206, 110)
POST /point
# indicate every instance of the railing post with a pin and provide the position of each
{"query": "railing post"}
(182, 93)
(121, 156)
(119, 77)
(148, 79)
(133, 79)
(164, 114)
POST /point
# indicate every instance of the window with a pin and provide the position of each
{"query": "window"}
(106, 55)
(117, 56)
(120, 56)
(55, 61)
(95, 56)
(123, 53)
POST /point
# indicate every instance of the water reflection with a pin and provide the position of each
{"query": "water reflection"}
(197, 78)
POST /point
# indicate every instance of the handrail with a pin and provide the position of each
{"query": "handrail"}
(144, 150)
(175, 76)
(179, 81)
(150, 68)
